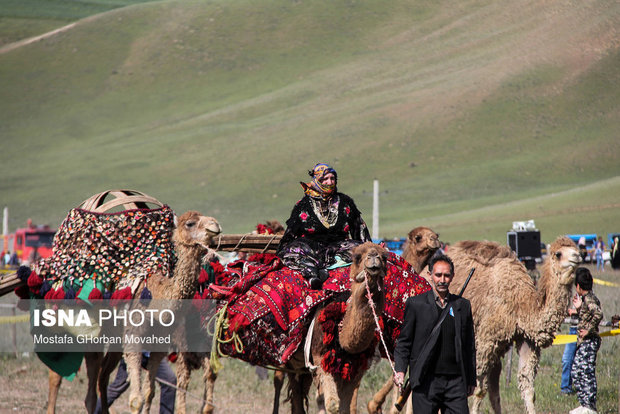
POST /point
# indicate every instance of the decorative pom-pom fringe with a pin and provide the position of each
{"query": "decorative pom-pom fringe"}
(197, 300)
(70, 293)
(22, 292)
(34, 282)
(122, 294)
(95, 294)
(23, 273)
(45, 287)
(146, 295)
(60, 293)
(204, 277)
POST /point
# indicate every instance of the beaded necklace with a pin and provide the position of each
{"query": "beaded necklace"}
(327, 218)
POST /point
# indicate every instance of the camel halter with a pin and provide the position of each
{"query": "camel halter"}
(377, 326)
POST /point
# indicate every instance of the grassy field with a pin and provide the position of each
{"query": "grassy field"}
(471, 116)
(23, 387)
(21, 19)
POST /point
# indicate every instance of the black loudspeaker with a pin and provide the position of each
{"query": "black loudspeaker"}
(525, 243)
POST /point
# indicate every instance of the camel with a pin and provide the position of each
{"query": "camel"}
(420, 246)
(508, 308)
(189, 361)
(191, 239)
(356, 334)
(530, 321)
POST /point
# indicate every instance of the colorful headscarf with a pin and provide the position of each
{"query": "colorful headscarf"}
(314, 188)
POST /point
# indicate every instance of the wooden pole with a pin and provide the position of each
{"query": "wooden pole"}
(9, 282)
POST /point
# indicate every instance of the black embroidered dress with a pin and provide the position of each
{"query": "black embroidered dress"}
(319, 230)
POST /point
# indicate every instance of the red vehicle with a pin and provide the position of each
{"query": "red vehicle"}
(31, 243)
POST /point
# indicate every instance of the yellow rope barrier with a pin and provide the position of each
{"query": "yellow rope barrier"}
(14, 319)
(567, 339)
(605, 283)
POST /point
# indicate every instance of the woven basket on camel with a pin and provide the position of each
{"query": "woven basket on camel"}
(104, 202)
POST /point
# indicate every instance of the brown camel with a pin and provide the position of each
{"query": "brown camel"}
(517, 311)
(508, 308)
(356, 334)
(191, 240)
(190, 361)
(420, 246)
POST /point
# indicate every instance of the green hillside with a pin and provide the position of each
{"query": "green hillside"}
(471, 115)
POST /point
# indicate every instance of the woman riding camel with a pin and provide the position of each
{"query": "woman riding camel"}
(323, 227)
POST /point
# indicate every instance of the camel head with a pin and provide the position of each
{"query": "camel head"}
(420, 246)
(564, 258)
(194, 229)
(371, 259)
(358, 325)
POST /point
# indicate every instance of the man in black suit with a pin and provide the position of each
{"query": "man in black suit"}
(442, 372)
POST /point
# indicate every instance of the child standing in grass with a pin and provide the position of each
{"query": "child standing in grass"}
(588, 342)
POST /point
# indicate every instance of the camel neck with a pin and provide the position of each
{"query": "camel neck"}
(187, 271)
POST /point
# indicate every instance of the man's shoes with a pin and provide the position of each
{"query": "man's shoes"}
(315, 283)
(567, 392)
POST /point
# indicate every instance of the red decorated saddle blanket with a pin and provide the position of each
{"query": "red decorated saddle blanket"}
(270, 306)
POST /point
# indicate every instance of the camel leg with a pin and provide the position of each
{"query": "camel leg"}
(110, 361)
(299, 386)
(320, 401)
(183, 376)
(528, 364)
(374, 405)
(330, 391)
(485, 358)
(495, 372)
(133, 361)
(347, 394)
(353, 406)
(93, 366)
(479, 394)
(209, 378)
(278, 382)
(54, 385)
(148, 390)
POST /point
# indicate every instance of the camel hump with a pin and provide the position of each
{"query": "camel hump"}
(483, 251)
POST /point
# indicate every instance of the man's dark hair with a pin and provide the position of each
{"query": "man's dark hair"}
(583, 278)
(440, 258)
